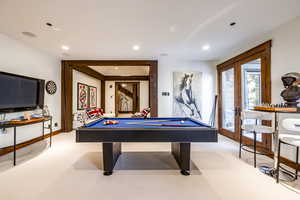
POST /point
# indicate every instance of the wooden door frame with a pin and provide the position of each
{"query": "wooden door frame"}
(67, 67)
(262, 51)
(137, 91)
(220, 121)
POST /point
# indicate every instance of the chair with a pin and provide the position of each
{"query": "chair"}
(255, 129)
(97, 113)
(289, 134)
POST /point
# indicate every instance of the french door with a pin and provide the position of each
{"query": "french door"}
(243, 82)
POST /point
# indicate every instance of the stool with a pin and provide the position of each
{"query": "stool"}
(255, 129)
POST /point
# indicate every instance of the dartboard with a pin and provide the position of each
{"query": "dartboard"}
(51, 87)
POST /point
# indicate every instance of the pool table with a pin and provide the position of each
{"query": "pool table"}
(179, 131)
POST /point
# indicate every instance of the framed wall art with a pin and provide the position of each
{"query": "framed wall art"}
(82, 96)
(187, 94)
(92, 97)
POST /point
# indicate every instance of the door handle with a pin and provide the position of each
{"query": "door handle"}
(237, 111)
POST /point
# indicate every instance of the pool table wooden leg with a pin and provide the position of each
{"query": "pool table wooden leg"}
(182, 154)
(111, 153)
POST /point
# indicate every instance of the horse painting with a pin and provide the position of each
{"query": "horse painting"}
(185, 100)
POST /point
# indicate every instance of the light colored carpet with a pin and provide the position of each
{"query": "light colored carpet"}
(146, 171)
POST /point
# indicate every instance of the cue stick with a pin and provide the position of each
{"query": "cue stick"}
(172, 125)
(165, 120)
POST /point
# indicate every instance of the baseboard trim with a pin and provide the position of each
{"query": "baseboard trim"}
(9, 149)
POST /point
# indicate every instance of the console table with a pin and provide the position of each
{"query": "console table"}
(15, 124)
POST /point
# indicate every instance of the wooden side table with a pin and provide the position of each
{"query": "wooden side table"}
(15, 124)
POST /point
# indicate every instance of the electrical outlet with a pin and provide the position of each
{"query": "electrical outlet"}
(55, 124)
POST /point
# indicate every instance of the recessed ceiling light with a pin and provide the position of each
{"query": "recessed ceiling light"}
(49, 24)
(205, 47)
(116, 68)
(64, 47)
(136, 47)
(29, 34)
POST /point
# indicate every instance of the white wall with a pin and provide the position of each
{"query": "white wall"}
(284, 58)
(17, 58)
(168, 65)
(144, 94)
(79, 77)
(110, 95)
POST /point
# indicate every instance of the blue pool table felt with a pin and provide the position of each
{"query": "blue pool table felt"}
(123, 123)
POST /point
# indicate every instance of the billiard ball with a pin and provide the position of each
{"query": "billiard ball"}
(182, 121)
(111, 122)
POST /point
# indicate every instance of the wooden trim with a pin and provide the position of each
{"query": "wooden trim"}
(9, 149)
(89, 71)
(258, 49)
(153, 89)
(82, 65)
(287, 162)
(103, 95)
(263, 52)
(112, 62)
(126, 78)
(66, 97)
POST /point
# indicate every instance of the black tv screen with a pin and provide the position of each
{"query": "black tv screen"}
(19, 93)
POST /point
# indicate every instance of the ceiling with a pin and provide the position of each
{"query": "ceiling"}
(122, 70)
(107, 29)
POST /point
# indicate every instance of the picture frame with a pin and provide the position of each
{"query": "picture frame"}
(82, 96)
(92, 97)
(187, 92)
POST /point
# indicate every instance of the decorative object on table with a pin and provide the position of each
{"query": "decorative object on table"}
(51, 87)
(92, 96)
(275, 108)
(187, 94)
(111, 122)
(82, 96)
(291, 93)
(36, 116)
(46, 111)
(27, 115)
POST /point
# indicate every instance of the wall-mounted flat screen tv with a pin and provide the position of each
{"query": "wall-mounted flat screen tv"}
(20, 93)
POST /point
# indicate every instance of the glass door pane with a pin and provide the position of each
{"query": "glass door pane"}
(251, 89)
(228, 113)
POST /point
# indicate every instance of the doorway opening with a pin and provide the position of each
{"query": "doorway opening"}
(127, 98)
(243, 82)
(107, 85)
